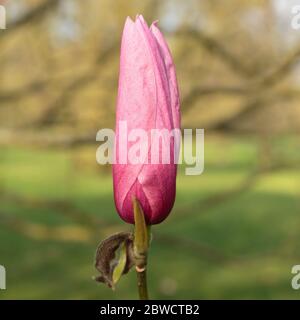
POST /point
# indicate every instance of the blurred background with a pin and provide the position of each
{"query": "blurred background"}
(234, 230)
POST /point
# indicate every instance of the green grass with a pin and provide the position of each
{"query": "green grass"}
(255, 230)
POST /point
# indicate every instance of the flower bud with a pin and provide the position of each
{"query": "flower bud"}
(148, 99)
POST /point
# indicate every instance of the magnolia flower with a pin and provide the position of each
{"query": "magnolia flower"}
(148, 99)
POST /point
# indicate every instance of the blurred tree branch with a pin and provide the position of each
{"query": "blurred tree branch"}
(33, 15)
(20, 93)
(86, 234)
(254, 103)
(61, 207)
(281, 71)
(38, 231)
(257, 92)
(44, 140)
(196, 93)
(215, 200)
(255, 87)
(215, 47)
(87, 224)
(51, 111)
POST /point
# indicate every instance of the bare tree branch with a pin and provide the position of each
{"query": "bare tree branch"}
(84, 234)
(50, 113)
(189, 100)
(46, 140)
(280, 71)
(20, 93)
(35, 14)
(253, 104)
(214, 46)
(196, 247)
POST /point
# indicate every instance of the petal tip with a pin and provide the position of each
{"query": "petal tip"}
(154, 24)
(128, 20)
(140, 19)
(129, 26)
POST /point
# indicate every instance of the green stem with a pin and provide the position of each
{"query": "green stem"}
(142, 284)
(141, 246)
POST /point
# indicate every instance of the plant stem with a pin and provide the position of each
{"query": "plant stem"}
(142, 284)
(141, 246)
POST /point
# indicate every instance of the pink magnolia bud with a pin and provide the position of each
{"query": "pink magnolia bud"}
(148, 99)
